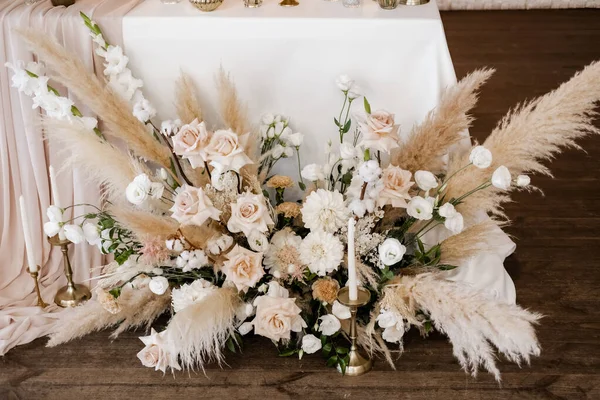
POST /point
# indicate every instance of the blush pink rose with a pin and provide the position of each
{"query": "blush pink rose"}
(396, 185)
(226, 150)
(193, 207)
(249, 213)
(379, 132)
(191, 141)
(277, 317)
(243, 268)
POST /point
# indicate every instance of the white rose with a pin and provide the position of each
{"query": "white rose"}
(501, 178)
(425, 180)
(74, 233)
(387, 319)
(276, 290)
(249, 213)
(245, 328)
(391, 251)
(420, 208)
(344, 83)
(340, 311)
(138, 190)
(225, 148)
(296, 139)
(329, 324)
(311, 344)
(369, 171)
(313, 172)
(379, 132)
(155, 354)
(523, 181)
(158, 285)
(480, 157)
(392, 334)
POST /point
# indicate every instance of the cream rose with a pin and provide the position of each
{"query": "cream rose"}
(155, 354)
(249, 213)
(379, 132)
(277, 317)
(243, 268)
(191, 141)
(193, 207)
(396, 184)
(225, 149)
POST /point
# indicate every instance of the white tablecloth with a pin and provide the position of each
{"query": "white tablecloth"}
(285, 60)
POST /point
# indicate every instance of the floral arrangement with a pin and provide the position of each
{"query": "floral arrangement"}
(201, 227)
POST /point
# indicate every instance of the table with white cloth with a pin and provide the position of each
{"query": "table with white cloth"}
(282, 60)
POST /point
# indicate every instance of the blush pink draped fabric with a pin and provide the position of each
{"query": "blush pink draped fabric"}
(24, 161)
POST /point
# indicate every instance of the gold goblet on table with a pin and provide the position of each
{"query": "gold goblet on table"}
(73, 294)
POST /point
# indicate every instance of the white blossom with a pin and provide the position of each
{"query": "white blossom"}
(329, 324)
(311, 344)
(322, 252)
(523, 181)
(143, 110)
(340, 311)
(420, 208)
(369, 171)
(344, 83)
(391, 251)
(74, 233)
(426, 180)
(324, 210)
(313, 172)
(501, 178)
(158, 285)
(191, 259)
(480, 157)
(245, 328)
(296, 139)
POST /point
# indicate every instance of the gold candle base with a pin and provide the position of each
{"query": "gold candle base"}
(357, 364)
(71, 295)
(413, 2)
(289, 3)
(40, 301)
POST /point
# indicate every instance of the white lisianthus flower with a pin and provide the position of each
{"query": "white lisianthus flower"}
(387, 318)
(220, 244)
(355, 92)
(55, 224)
(391, 251)
(340, 311)
(311, 344)
(393, 334)
(258, 241)
(324, 210)
(426, 180)
(480, 157)
(143, 110)
(138, 190)
(344, 83)
(329, 324)
(191, 259)
(158, 285)
(348, 151)
(288, 152)
(322, 252)
(369, 171)
(523, 181)
(74, 233)
(245, 328)
(268, 119)
(501, 178)
(296, 139)
(277, 151)
(454, 221)
(420, 208)
(190, 293)
(313, 172)
(91, 233)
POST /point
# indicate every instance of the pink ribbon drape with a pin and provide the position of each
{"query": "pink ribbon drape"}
(24, 160)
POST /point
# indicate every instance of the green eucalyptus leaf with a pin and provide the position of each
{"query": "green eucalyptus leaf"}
(367, 105)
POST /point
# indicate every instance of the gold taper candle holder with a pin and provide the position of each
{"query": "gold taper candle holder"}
(73, 294)
(358, 364)
(41, 303)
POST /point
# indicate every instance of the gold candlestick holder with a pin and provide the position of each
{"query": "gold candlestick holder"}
(73, 294)
(41, 303)
(358, 364)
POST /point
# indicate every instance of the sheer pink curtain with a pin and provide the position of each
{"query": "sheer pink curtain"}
(24, 161)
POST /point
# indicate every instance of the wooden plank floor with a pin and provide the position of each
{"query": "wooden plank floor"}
(555, 268)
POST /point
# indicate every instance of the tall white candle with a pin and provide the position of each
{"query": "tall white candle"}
(54, 187)
(27, 234)
(353, 290)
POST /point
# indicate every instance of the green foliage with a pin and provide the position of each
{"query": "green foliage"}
(367, 105)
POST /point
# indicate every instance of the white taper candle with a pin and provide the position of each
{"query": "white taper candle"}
(54, 187)
(27, 235)
(353, 290)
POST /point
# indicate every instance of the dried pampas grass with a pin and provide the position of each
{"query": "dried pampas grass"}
(144, 223)
(138, 307)
(233, 112)
(114, 111)
(87, 151)
(472, 321)
(442, 128)
(532, 133)
(199, 332)
(467, 243)
(187, 105)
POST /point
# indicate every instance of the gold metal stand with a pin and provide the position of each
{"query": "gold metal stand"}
(289, 3)
(71, 295)
(413, 2)
(358, 364)
(41, 302)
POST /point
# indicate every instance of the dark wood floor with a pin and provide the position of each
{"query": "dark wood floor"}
(555, 268)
